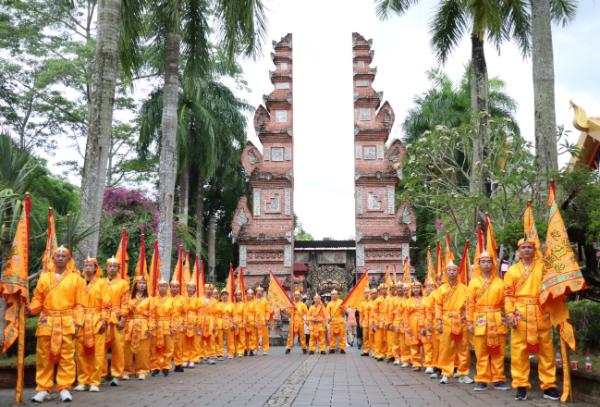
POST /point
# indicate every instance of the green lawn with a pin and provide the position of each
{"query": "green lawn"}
(13, 360)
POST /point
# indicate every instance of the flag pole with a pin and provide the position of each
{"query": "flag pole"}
(22, 321)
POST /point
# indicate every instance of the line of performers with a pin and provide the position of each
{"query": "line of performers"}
(81, 318)
(433, 326)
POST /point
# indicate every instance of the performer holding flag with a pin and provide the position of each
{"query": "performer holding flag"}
(317, 326)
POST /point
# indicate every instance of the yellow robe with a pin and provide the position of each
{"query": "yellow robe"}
(90, 343)
(227, 311)
(137, 344)
(118, 292)
(264, 314)
(337, 327)
(412, 320)
(207, 321)
(250, 317)
(179, 322)
(451, 314)
(533, 333)
(297, 314)
(240, 330)
(165, 321)
(392, 335)
(317, 329)
(363, 310)
(190, 338)
(61, 309)
(219, 336)
(431, 342)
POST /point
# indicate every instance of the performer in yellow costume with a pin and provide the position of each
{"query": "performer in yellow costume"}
(530, 326)
(392, 335)
(207, 324)
(90, 342)
(227, 314)
(250, 318)
(485, 303)
(414, 323)
(363, 312)
(297, 314)
(138, 331)
(58, 298)
(239, 325)
(377, 320)
(219, 337)
(264, 319)
(337, 324)
(118, 293)
(431, 338)
(402, 350)
(317, 325)
(190, 338)
(450, 319)
(163, 334)
(179, 325)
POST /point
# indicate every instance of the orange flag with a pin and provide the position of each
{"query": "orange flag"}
(51, 245)
(142, 267)
(388, 279)
(491, 247)
(561, 277)
(531, 233)
(154, 269)
(406, 270)
(187, 269)
(430, 268)
(14, 287)
(357, 295)
(242, 284)
(465, 264)
(122, 256)
(439, 263)
(199, 278)
(178, 272)
(395, 279)
(278, 298)
(230, 285)
(448, 255)
(479, 248)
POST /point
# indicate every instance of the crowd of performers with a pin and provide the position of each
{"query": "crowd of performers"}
(430, 326)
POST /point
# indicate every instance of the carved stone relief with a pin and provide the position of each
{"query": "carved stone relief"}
(332, 257)
(261, 119)
(257, 202)
(282, 86)
(374, 205)
(356, 129)
(406, 216)
(358, 152)
(281, 116)
(277, 154)
(273, 205)
(380, 152)
(252, 157)
(243, 255)
(405, 250)
(391, 201)
(301, 257)
(361, 64)
(283, 66)
(395, 155)
(287, 256)
(362, 83)
(267, 154)
(365, 114)
(370, 153)
(242, 218)
(288, 154)
(288, 202)
(360, 255)
(359, 201)
(387, 116)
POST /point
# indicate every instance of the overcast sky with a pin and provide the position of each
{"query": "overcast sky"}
(322, 75)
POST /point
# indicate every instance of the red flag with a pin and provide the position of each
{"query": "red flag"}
(154, 268)
(439, 264)
(463, 269)
(142, 267)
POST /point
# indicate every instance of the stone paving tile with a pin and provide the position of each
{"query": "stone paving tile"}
(333, 381)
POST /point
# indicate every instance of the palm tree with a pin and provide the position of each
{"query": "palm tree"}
(449, 104)
(117, 49)
(241, 27)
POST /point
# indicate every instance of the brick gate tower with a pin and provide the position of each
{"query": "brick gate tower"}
(384, 229)
(265, 233)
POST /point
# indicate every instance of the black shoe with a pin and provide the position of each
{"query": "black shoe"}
(312, 352)
(343, 352)
(166, 372)
(155, 372)
(380, 359)
(304, 351)
(323, 353)
(481, 386)
(331, 350)
(551, 394)
(390, 360)
(245, 353)
(251, 353)
(365, 354)
(287, 351)
(522, 394)
(178, 368)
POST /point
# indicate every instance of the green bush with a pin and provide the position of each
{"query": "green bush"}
(585, 317)
(30, 339)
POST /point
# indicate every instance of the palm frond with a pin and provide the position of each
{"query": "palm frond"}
(563, 11)
(384, 8)
(447, 27)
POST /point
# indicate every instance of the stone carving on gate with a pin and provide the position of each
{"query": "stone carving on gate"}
(242, 218)
(326, 278)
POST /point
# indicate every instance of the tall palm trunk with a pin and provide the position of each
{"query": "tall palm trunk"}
(199, 214)
(479, 103)
(168, 154)
(212, 241)
(100, 122)
(546, 154)
(184, 196)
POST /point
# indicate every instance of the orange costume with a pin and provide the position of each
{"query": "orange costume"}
(533, 335)
(263, 315)
(190, 339)
(137, 343)
(298, 314)
(413, 319)
(317, 329)
(179, 320)
(392, 334)
(402, 350)
(250, 319)
(90, 343)
(450, 306)
(207, 320)
(377, 319)
(363, 312)
(337, 327)
(165, 322)
(240, 328)
(431, 341)
(118, 293)
(227, 314)
(59, 301)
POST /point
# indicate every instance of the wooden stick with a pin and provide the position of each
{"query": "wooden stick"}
(21, 354)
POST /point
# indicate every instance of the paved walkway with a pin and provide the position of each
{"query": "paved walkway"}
(291, 380)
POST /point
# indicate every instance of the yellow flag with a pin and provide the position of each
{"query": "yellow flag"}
(357, 295)
(406, 270)
(51, 245)
(187, 269)
(278, 298)
(122, 256)
(531, 232)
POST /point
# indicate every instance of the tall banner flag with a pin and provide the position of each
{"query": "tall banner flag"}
(357, 295)
(230, 285)
(531, 233)
(242, 284)
(14, 287)
(406, 272)
(431, 274)
(439, 262)
(51, 244)
(395, 279)
(142, 267)
(178, 272)
(154, 268)
(200, 293)
(278, 298)
(465, 265)
(122, 256)
(491, 246)
(479, 248)
(561, 278)
(187, 269)
(388, 279)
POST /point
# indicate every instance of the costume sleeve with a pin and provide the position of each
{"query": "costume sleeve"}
(37, 303)
(151, 315)
(509, 294)
(106, 305)
(439, 301)
(124, 301)
(79, 309)
(470, 302)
